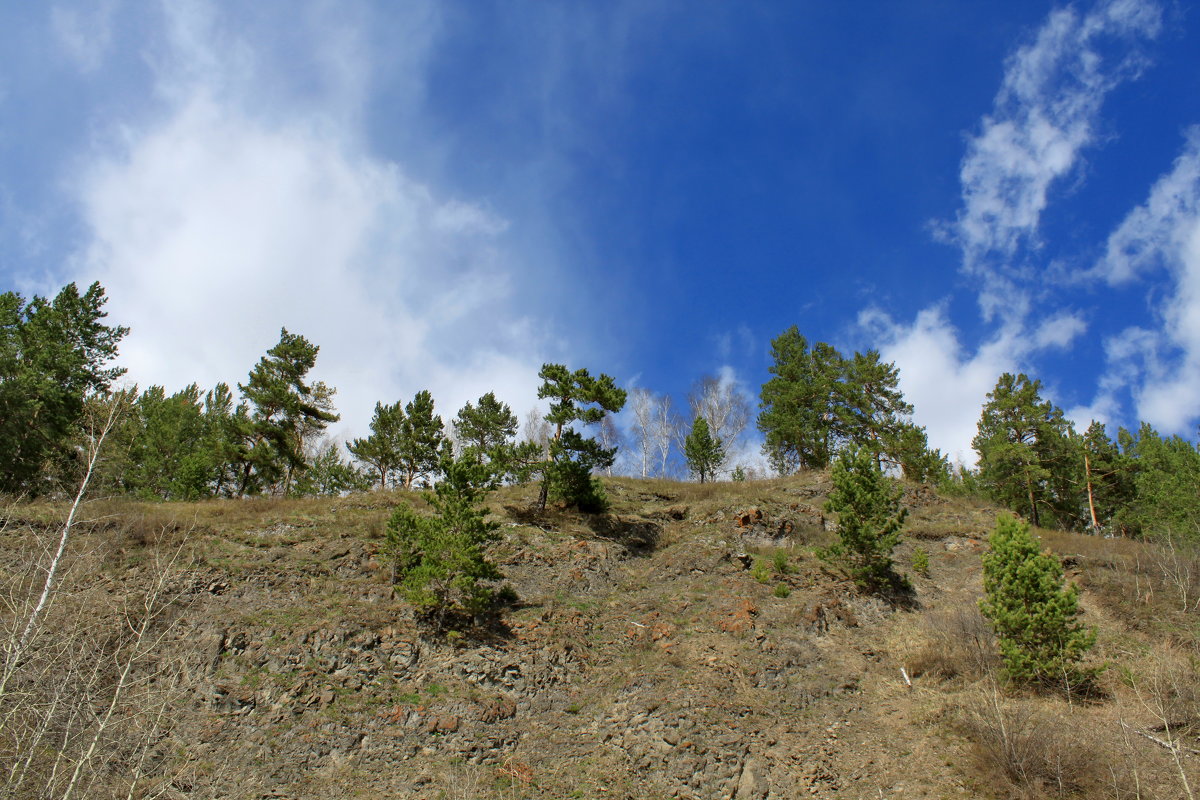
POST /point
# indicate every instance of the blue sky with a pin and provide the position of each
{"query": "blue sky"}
(445, 195)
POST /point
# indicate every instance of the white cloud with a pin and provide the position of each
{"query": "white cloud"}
(1161, 367)
(223, 220)
(1044, 116)
(946, 385)
(1058, 331)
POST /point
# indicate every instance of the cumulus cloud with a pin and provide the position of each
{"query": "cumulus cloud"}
(946, 384)
(223, 219)
(1160, 367)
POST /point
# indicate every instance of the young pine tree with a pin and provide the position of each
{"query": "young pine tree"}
(870, 519)
(440, 565)
(703, 451)
(576, 397)
(1033, 615)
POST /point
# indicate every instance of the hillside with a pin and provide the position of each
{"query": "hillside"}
(652, 653)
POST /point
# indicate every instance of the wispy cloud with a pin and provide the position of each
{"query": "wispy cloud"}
(1045, 115)
(1161, 366)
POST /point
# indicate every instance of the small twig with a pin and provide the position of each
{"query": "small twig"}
(1161, 742)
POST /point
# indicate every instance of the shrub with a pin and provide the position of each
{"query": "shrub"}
(1033, 752)
(782, 591)
(869, 520)
(1033, 616)
(957, 642)
(920, 561)
(439, 561)
(760, 571)
(779, 559)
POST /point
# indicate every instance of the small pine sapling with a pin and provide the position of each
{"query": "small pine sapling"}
(439, 561)
(870, 519)
(1033, 615)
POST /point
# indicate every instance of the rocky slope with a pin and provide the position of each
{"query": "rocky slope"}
(689, 644)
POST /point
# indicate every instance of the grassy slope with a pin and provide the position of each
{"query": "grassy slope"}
(644, 659)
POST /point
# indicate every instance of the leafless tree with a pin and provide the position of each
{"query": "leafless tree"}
(86, 689)
(538, 430)
(642, 402)
(609, 437)
(723, 407)
(664, 430)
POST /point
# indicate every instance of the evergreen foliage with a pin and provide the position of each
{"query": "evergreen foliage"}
(487, 428)
(917, 461)
(1027, 454)
(283, 411)
(421, 440)
(172, 452)
(819, 402)
(1165, 474)
(874, 410)
(381, 450)
(330, 475)
(870, 520)
(440, 563)
(1033, 615)
(53, 354)
(798, 418)
(576, 397)
(703, 451)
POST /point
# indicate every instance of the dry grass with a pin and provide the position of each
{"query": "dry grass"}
(1031, 749)
(956, 642)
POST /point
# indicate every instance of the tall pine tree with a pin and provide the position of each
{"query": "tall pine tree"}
(53, 354)
(381, 451)
(1024, 451)
(282, 410)
(421, 440)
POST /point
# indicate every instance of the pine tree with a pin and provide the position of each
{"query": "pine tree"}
(329, 475)
(1025, 456)
(421, 440)
(703, 451)
(485, 429)
(874, 414)
(440, 564)
(1165, 473)
(53, 354)
(283, 411)
(909, 447)
(1108, 478)
(870, 520)
(1033, 616)
(171, 456)
(799, 403)
(576, 397)
(381, 450)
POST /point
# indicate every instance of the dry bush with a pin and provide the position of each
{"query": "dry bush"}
(956, 642)
(86, 691)
(1030, 750)
(1176, 563)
